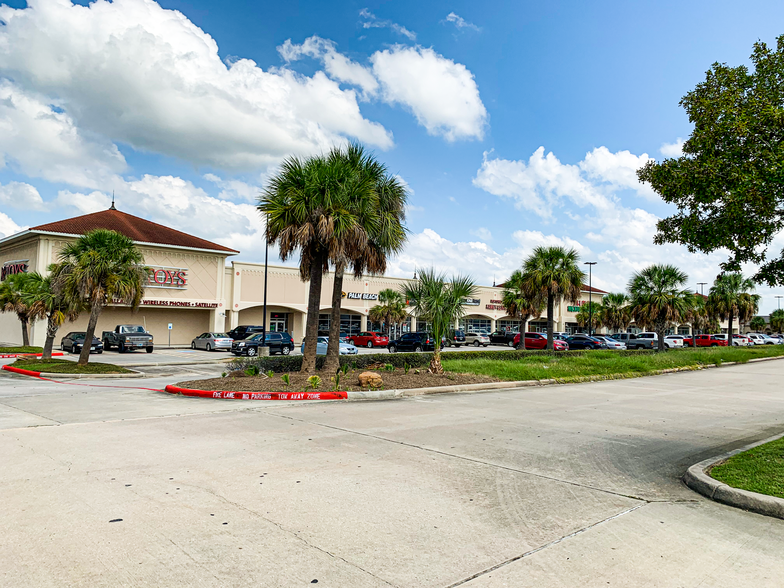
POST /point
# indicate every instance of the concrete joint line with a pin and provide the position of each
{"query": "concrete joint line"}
(542, 547)
(697, 478)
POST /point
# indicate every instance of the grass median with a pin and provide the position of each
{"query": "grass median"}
(611, 364)
(757, 470)
(28, 349)
(64, 366)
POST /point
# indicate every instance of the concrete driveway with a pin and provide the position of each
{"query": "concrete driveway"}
(562, 486)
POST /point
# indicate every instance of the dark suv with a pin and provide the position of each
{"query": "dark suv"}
(244, 331)
(456, 338)
(277, 343)
(413, 342)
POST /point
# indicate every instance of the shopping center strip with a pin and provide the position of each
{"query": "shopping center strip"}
(195, 287)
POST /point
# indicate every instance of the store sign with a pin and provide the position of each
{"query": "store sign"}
(179, 303)
(14, 267)
(173, 278)
(361, 296)
(575, 307)
(495, 305)
(471, 302)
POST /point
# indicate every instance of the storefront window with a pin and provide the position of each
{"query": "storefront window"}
(475, 324)
(509, 325)
(538, 326)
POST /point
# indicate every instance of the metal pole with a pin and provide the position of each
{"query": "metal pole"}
(701, 284)
(264, 347)
(590, 265)
(778, 301)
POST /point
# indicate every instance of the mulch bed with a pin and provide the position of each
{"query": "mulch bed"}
(393, 380)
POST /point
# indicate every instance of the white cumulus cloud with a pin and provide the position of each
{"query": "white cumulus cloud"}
(21, 195)
(7, 226)
(672, 149)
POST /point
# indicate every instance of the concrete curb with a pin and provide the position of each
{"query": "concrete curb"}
(52, 376)
(697, 478)
(174, 363)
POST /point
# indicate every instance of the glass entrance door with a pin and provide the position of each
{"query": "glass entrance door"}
(278, 322)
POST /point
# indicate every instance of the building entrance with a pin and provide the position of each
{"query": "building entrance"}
(279, 322)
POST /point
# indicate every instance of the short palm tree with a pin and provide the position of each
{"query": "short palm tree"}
(519, 302)
(589, 314)
(552, 274)
(47, 301)
(757, 323)
(727, 301)
(614, 312)
(439, 303)
(777, 320)
(390, 310)
(657, 298)
(13, 298)
(99, 267)
(699, 315)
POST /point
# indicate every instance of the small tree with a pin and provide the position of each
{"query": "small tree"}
(439, 303)
(658, 298)
(13, 298)
(96, 269)
(615, 312)
(390, 310)
(777, 320)
(47, 301)
(727, 301)
(589, 313)
(520, 303)
(757, 323)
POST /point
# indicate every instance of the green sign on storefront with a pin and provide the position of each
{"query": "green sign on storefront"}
(573, 309)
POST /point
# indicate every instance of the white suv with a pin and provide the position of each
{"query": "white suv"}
(673, 341)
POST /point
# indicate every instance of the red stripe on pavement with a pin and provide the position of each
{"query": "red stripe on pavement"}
(227, 395)
(13, 355)
(21, 371)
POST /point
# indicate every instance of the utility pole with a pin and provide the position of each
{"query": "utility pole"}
(701, 284)
(590, 265)
(778, 301)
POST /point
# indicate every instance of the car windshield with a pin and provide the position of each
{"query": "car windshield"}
(132, 329)
(323, 340)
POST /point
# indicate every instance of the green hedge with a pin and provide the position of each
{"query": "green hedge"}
(293, 363)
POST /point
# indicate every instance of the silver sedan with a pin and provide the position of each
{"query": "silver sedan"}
(212, 341)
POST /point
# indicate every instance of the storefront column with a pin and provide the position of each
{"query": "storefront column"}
(413, 323)
(363, 326)
(217, 320)
(234, 319)
(493, 325)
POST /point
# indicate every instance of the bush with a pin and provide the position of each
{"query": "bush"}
(293, 363)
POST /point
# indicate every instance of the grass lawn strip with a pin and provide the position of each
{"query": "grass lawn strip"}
(64, 366)
(760, 469)
(597, 364)
(28, 349)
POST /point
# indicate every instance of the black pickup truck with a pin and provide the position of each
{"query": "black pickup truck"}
(503, 338)
(127, 338)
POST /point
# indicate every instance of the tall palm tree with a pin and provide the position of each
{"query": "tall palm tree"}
(439, 303)
(614, 312)
(748, 306)
(519, 302)
(551, 274)
(47, 301)
(99, 267)
(390, 310)
(371, 203)
(657, 298)
(699, 314)
(590, 312)
(777, 320)
(726, 298)
(13, 299)
(757, 323)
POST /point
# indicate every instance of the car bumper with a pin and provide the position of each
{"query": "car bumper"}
(349, 352)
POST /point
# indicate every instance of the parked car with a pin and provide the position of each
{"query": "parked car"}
(455, 338)
(419, 341)
(741, 341)
(638, 341)
(769, 340)
(244, 332)
(74, 342)
(758, 339)
(673, 341)
(477, 338)
(277, 343)
(369, 339)
(323, 342)
(710, 340)
(503, 338)
(688, 340)
(585, 342)
(127, 338)
(533, 340)
(612, 343)
(212, 341)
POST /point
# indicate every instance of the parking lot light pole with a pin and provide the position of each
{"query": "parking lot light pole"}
(264, 348)
(778, 301)
(590, 265)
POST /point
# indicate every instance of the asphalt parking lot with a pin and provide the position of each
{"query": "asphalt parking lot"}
(115, 484)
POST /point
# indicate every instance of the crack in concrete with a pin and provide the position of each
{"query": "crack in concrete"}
(542, 547)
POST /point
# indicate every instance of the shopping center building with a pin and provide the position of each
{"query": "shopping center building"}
(196, 286)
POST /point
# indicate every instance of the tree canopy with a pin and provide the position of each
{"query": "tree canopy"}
(728, 185)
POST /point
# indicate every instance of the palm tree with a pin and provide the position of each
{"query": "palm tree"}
(553, 273)
(614, 312)
(99, 267)
(439, 303)
(390, 310)
(590, 312)
(657, 298)
(777, 320)
(726, 298)
(748, 306)
(699, 314)
(519, 302)
(47, 301)
(12, 299)
(757, 323)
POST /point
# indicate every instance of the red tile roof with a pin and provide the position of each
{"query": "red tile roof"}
(136, 228)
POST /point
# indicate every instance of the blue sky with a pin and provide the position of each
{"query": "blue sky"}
(184, 115)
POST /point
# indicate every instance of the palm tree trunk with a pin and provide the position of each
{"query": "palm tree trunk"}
(25, 331)
(332, 364)
(311, 327)
(51, 332)
(95, 312)
(661, 326)
(550, 302)
(435, 363)
(729, 330)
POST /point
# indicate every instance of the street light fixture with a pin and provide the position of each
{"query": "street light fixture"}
(590, 265)
(264, 349)
(778, 301)
(701, 284)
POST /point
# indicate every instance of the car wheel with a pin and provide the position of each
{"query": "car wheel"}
(286, 350)
(456, 345)
(511, 343)
(99, 351)
(418, 348)
(121, 347)
(476, 343)
(208, 347)
(251, 351)
(369, 344)
(392, 349)
(193, 345)
(351, 341)
(714, 344)
(149, 350)
(640, 347)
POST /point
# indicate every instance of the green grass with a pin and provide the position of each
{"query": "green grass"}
(758, 470)
(573, 367)
(64, 366)
(28, 349)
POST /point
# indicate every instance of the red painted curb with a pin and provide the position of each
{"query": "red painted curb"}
(226, 395)
(21, 371)
(13, 355)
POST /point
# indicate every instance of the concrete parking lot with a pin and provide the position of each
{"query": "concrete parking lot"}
(107, 485)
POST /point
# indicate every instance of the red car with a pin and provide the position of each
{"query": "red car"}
(709, 341)
(688, 341)
(369, 339)
(539, 341)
